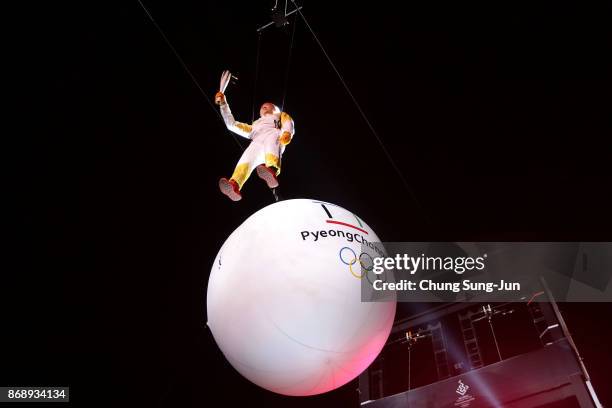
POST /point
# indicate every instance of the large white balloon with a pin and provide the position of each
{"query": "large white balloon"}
(283, 304)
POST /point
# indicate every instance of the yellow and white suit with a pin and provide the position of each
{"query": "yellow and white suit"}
(269, 135)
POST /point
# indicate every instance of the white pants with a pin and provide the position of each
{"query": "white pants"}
(264, 149)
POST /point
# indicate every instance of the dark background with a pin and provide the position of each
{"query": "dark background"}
(496, 113)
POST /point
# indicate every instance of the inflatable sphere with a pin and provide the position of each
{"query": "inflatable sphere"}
(284, 298)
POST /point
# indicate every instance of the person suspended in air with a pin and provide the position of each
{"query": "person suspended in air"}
(269, 135)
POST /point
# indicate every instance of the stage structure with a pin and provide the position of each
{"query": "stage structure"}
(460, 355)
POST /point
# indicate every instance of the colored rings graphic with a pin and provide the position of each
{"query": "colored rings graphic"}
(349, 257)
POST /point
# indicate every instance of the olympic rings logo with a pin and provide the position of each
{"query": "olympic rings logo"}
(350, 258)
(364, 259)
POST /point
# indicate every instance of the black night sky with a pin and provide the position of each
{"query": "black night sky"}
(496, 113)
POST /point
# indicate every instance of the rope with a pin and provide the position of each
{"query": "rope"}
(186, 68)
(285, 83)
(288, 70)
(363, 115)
(256, 76)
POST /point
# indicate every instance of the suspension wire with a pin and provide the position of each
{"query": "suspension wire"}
(286, 81)
(363, 115)
(256, 75)
(186, 68)
(288, 69)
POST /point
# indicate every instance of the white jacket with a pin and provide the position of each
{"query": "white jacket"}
(269, 126)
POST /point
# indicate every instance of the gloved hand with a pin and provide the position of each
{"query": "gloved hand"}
(285, 138)
(220, 98)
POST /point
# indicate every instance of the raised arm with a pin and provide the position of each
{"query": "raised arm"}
(232, 124)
